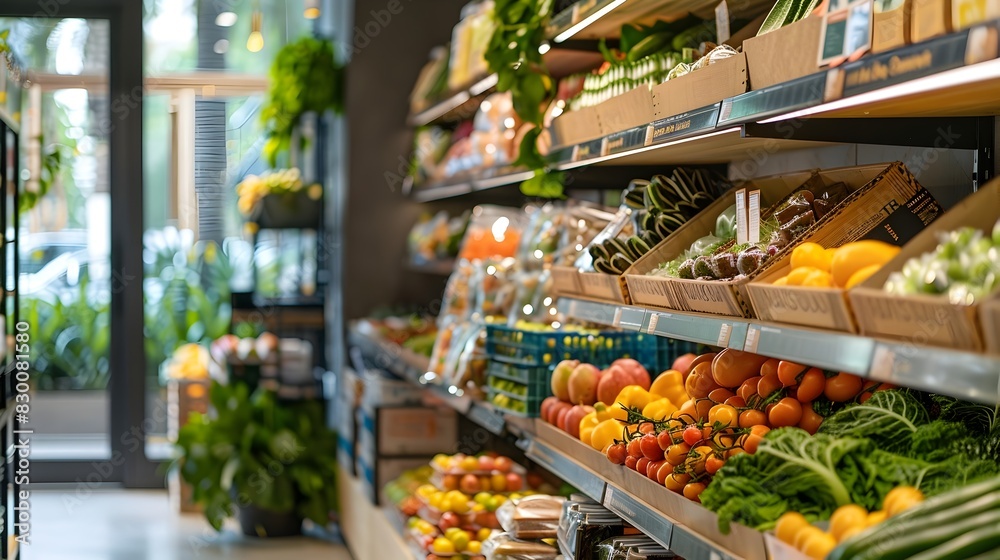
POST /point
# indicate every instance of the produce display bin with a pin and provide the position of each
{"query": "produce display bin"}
(926, 319)
(630, 109)
(699, 88)
(829, 307)
(566, 280)
(770, 61)
(661, 292)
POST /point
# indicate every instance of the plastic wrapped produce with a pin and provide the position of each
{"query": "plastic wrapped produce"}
(502, 546)
(532, 517)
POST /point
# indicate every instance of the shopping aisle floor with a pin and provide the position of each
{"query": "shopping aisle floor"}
(140, 525)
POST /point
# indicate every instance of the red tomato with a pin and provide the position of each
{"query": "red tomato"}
(664, 439)
(617, 453)
(666, 469)
(787, 412)
(788, 372)
(653, 468)
(842, 387)
(811, 385)
(810, 421)
(641, 464)
(750, 443)
(692, 435)
(650, 447)
(631, 462)
(647, 428)
(632, 448)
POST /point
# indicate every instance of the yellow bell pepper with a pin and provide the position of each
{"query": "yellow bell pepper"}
(605, 433)
(660, 409)
(587, 425)
(670, 384)
(633, 396)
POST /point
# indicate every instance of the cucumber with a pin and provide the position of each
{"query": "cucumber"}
(651, 238)
(660, 196)
(934, 512)
(909, 543)
(615, 245)
(620, 263)
(597, 251)
(648, 222)
(982, 540)
(602, 265)
(638, 246)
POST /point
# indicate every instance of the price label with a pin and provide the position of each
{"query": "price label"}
(741, 216)
(883, 364)
(724, 333)
(654, 318)
(617, 321)
(752, 340)
(754, 223)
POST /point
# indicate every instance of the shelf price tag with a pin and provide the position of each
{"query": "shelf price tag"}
(654, 318)
(724, 333)
(741, 216)
(753, 224)
(752, 339)
(617, 321)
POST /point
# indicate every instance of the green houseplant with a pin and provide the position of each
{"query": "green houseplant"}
(305, 77)
(272, 461)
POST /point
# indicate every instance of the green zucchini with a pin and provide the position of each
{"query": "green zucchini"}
(932, 513)
(909, 542)
(597, 251)
(620, 263)
(602, 265)
(638, 246)
(982, 540)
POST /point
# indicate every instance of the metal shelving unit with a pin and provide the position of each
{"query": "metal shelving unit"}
(960, 374)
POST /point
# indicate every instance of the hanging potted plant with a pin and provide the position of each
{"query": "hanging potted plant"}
(269, 463)
(304, 78)
(280, 199)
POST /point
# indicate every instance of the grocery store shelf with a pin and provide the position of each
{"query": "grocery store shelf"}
(414, 368)
(450, 105)
(960, 374)
(572, 472)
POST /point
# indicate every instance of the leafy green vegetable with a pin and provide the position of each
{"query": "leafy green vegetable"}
(980, 419)
(888, 418)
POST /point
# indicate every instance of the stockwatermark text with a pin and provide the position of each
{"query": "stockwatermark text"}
(22, 449)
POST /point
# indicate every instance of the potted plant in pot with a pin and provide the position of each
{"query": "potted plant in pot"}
(280, 199)
(270, 462)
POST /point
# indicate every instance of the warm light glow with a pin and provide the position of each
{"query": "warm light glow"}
(509, 122)
(544, 48)
(527, 309)
(255, 42)
(500, 228)
(221, 46)
(556, 111)
(225, 19)
(312, 9)
(547, 301)
(539, 254)
(491, 270)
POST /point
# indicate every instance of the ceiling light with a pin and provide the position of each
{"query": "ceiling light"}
(221, 46)
(225, 19)
(312, 9)
(255, 42)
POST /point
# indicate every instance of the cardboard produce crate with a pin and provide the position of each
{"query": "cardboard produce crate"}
(659, 291)
(566, 280)
(605, 287)
(784, 54)
(711, 84)
(966, 13)
(873, 189)
(406, 431)
(891, 29)
(929, 18)
(990, 317)
(628, 110)
(926, 319)
(828, 308)
(573, 127)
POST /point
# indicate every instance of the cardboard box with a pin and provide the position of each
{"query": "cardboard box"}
(566, 280)
(631, 109)
(406, 431)
(891, 29)
(784, 54)
(382, 389)
(828, 308)
(989, 314)
(966, 13)
(925, 319)
(573, 127)
(929, 18)
(605, 287)
(702, 87)
(658, 291)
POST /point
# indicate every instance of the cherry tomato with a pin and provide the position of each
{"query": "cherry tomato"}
(788, 372)
(720, 395)
(631, 462)
(811, 385)
(654, 467)
(730, 453)
(723, 440)
(842, 387)
(702, 407)
(748, 388)
(633, 449)
(768, 385)
(650, 447)
(750, 443)
(713, 464)
(677, 453)
(675, 482)
(770, 367)
(810, 421)
(787, 412)
(666, 469)
(736, 401)
(752, 417)
(692, 435)
(724, 415)
(695, 463)
(617, 453)
(760, 430)
(693, 489)
(647, 428)
(664, 440)
(641, 464)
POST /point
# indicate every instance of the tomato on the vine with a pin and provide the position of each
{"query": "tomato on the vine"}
(693, 489)
(748, 388)
(641, 464)
(810, 420)
(617, 453)
(788, 372)
(787, 412)
(842, 387)
(720, 395)
(677, 453)
(675, 482)
(692, 435)
(650, 447)
(664, 439)
(647, 428)
(631, 462)
(768, 385)
(724, 415)
(633, 449)
(811, 385)
(752, 417)
(695, 462)
(713, 464)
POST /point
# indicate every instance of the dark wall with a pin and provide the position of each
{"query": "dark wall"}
(390, 50)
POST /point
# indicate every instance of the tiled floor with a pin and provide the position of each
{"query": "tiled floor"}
(140, 525)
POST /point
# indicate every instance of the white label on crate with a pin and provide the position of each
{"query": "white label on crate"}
(722, 22)
(741, 216)
(653, 319)
(751, 343)
(617, 321)
(754, 214)
(724, 333)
